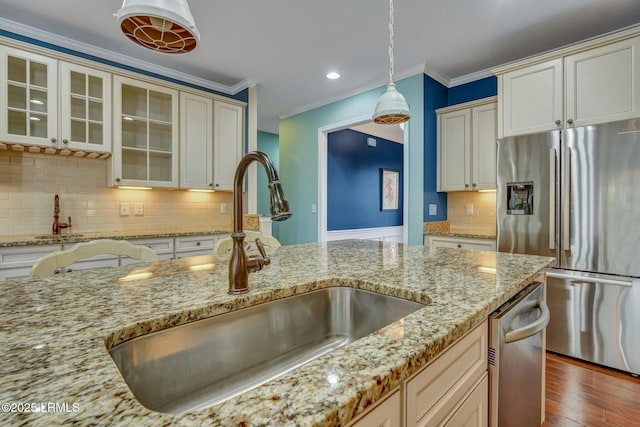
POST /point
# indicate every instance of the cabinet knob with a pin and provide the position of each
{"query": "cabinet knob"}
(197, 243)
(466, 186)
(558, 122)
(65, 141)
(459, 245)
(117, 179)
(217, 185)
(570, 121)
(474, 184)
(54, 140)
(211, 184)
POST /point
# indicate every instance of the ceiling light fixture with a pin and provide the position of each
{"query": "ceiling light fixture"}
(161, 25)
(392, 108)
(333, 75)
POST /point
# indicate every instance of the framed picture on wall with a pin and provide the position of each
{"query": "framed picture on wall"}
(390, 181)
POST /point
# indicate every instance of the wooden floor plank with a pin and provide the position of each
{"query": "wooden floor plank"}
(583, 394)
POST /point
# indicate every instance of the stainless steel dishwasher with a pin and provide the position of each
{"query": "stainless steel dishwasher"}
(516, 359)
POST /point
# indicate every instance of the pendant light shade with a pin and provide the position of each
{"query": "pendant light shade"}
(392, 107)
(161, 25)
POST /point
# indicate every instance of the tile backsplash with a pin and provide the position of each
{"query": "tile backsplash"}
(483, 217)
(29, 182)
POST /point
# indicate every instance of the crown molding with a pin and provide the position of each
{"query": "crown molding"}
(437, 76)
(117, 58)
(468, 78)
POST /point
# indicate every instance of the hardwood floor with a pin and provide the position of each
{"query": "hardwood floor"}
(582, 394)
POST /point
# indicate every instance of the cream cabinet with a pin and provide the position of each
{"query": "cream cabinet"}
(460, 243)
(145, 143)
(54, 104)
(583, 85)
(85, 96)
(467, 138)
(387, 413)
(196, 141)
(228, 142)
(447, 389)
(196, 245)
(29, 98)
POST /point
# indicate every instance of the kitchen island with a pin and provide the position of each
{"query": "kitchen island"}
(55, 331)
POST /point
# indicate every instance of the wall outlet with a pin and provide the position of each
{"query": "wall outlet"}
(124, 209)
(468, 209)
(433, 209)
(224, 208)
(139, 209)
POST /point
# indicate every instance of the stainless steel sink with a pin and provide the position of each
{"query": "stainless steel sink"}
(206, 362)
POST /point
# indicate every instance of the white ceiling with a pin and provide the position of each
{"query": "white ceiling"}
(287, 46)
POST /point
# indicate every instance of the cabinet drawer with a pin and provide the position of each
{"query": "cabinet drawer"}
(196, 243)
(474, 410)
(436, 390)
(461, 243)
(24, 256)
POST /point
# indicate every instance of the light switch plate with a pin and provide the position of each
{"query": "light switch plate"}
(314, 208)
(433, 209)
(224, 208)
(124, 209)
(139, 209)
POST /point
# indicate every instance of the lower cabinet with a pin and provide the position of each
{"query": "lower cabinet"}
(162, 246)
(461, 243)
(16, 261)
(196, 245)
(387, 413)
(453, 390)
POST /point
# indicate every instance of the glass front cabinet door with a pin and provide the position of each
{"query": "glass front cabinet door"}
(85, 108)
(29, 98)
(145, 151)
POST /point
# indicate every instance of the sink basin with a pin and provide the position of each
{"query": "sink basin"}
(57, 236)
(206, 362)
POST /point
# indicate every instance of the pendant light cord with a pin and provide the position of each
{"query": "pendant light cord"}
(390, 41)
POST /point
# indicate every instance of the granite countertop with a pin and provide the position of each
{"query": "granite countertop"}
(55, 331)
(473, 234)
(52, 239)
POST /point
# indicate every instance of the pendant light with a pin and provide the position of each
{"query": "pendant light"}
(161, 25)
(392, 108)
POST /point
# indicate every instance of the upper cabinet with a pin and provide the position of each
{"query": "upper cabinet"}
(145, 140)
(29, 98)
(196, 141)
(467, 135)
(85, 108)
(591, 83)
(33, 86)
(228, 141)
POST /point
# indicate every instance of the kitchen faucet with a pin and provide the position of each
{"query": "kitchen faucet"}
(240, 265)
(57, 225)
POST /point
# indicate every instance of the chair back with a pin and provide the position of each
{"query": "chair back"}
(48, 264)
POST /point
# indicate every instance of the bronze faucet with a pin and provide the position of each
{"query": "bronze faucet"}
(57, 225)
(240, 265)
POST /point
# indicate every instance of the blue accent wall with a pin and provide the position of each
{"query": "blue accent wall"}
(471, 91)
(354, 181)
(435, 96)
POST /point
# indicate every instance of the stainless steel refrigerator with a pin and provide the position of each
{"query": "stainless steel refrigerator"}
(575, 195)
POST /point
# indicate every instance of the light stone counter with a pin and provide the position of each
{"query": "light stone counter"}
(54, 332)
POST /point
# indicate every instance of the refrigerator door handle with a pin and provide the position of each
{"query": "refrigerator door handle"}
(586, 279)
(566, 203)
(552, 198)
(531, 328)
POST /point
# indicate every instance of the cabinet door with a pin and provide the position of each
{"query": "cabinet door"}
(85, 96)
(196, 141)
(228, 143)
(484, 137)
(16, 262)
(461, 243)
(602, 84)
(531, 98)
(28, 98)
(162, 246)
(385, 414)
(145, 141)
(474, 411)
(454, 146)
(196, 245)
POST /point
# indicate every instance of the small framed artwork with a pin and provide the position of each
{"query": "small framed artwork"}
(389, 189)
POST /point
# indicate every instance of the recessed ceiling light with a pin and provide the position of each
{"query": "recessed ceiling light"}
(333, 75)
